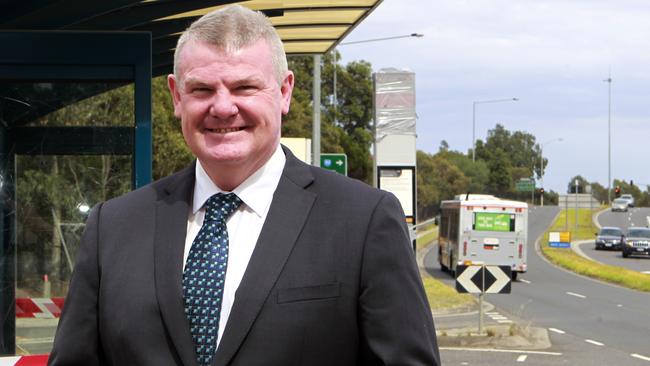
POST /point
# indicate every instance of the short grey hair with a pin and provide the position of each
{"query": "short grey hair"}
(232, 28)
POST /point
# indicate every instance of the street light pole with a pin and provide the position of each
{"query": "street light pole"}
(474, 119)
(609, 138)
(541, 166)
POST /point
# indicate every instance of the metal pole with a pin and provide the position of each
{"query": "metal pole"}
(541, 174)
(577, 185)
(566, 212)
(473, 132)
(609, 138)
(480, 313)
(315, 138)
(334, 99)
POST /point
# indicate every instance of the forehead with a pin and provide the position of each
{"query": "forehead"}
(198, 58)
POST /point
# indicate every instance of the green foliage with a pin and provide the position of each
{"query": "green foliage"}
(582, 184)
(500, 177)
(350, 132)
(170, 153)
(437, 179)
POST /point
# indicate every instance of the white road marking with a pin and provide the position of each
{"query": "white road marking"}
(500, 351)
(522, 358)
(498, 317)
(645, 272)
(596, 343)
(491, 313)
(641, 357)
(576, 295)
(558, 331)
(507, 321)
(619, 305)
(524, 281)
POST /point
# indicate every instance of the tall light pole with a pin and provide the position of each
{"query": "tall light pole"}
(474, 119)
(609, 138)
(541, 165)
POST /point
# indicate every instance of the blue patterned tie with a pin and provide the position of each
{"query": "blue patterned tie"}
(204, 275)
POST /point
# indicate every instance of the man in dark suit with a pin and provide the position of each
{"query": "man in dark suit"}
(312, 268)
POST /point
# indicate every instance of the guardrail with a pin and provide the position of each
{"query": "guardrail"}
(423, 224)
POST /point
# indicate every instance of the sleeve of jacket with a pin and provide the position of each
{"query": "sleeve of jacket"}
(395, 317)
(77, 340)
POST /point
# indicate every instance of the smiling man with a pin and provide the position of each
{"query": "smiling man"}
(249, 256)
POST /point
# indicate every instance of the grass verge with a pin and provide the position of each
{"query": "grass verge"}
(568, 259)
(440, 296)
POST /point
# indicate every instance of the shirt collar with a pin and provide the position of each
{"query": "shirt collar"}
(256, 191)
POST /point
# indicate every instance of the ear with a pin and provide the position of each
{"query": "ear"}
(174, 89)
(286, 89)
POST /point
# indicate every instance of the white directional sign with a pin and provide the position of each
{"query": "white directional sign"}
(478, 279)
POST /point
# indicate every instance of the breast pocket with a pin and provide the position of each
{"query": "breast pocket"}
(309, 293)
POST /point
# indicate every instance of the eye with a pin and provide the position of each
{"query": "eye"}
(246, 87)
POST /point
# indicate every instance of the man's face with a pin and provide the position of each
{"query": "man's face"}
(230, 105)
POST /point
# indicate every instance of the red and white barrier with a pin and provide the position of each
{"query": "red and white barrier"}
(43, 308)
(37, 360)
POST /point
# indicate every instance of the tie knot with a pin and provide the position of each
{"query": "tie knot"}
(220, 206)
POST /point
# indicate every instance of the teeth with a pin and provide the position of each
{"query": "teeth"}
(223, 130)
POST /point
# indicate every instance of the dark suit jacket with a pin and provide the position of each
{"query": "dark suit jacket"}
(332, 281)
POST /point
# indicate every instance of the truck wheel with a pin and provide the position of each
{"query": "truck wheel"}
(625, 255)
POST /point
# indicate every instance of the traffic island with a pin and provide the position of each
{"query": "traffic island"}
(510, 336)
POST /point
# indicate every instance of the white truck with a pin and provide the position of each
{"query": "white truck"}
(483, 229)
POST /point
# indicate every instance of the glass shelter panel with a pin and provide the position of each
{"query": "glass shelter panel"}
(63, 165)
(53, 197)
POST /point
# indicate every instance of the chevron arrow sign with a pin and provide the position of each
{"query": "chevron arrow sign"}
(477, 279)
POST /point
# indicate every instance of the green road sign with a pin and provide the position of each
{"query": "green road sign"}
(335, 162)
(525, 185)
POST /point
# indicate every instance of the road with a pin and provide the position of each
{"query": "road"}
(589, 323)
(624, 220)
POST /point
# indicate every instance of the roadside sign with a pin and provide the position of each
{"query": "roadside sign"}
(479, 279)
(559, 239)
(525, 185)
(334, 162)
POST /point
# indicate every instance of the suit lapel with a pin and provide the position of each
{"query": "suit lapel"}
(171, 226)
(287, 215)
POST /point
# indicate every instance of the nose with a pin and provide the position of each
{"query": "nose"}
(223, 105)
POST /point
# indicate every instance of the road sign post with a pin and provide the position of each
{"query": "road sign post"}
(481, 279)
(334, 162)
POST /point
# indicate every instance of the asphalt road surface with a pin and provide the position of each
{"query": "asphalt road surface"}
(588, 322)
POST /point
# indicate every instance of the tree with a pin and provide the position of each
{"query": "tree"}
(350, 132)
(476, 171)
(170, 153)
(582, 183)
(519, 147)
(500, 176)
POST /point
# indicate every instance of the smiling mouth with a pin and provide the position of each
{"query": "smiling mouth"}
(224, 130)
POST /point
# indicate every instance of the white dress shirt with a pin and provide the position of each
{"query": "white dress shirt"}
(244, 225)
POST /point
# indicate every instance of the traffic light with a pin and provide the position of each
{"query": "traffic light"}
(617, 191)
(541, 191)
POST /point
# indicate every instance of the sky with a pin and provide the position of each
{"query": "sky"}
(553, 55)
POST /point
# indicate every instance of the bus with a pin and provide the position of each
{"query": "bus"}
(483, 229)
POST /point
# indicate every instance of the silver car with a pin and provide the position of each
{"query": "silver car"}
(637, 242)
(629, 198)
(620, 204)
